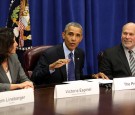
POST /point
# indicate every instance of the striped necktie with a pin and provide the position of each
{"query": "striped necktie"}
(71, 68)
(132, 62)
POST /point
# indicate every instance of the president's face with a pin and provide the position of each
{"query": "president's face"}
(128, 36)
(72, 37)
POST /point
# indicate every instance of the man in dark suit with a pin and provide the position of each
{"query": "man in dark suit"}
(53, 67)
(116, 60)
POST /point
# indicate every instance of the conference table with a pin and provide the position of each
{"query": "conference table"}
(108, 102)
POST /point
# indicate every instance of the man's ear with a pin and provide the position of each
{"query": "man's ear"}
(63, 35)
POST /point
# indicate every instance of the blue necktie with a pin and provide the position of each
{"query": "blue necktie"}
(71, 68)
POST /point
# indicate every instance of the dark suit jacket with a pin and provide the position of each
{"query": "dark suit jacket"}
(17, 73)
(41, 72)
(114, 63)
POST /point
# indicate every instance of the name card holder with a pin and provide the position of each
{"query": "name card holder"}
(123, 83)
(16, 97)
(79, 88)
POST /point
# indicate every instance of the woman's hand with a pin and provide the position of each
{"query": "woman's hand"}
(26, 84)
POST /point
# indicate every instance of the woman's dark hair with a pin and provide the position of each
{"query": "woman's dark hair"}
(6, 42)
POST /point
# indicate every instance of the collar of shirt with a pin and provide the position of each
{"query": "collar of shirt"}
(126, 50)
(67, 51)
(133, 50)
(127, 53)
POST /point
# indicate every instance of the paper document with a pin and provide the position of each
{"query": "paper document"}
(101, 81)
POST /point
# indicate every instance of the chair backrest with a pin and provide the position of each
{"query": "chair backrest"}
(31, 57)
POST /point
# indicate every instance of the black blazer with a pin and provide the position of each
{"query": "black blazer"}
(114, 63)
(41, 72)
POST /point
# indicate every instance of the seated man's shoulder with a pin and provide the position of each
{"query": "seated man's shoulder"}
(53, 49)
(113, 49)
(80, 50)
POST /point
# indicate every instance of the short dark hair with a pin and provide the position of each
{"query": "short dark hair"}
(6, 42)
(75, 24)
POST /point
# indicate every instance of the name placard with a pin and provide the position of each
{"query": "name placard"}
(123, 83)
(16, 97)
(79, 88)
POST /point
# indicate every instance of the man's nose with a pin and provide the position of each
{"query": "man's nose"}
(128, 36)
(73, 37)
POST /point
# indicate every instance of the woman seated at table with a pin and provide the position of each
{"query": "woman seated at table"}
(12, 75)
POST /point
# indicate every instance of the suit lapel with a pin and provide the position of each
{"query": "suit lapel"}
(11, 68)
(3, 75)
(61, 55)
(77, 64)
(124, 59)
